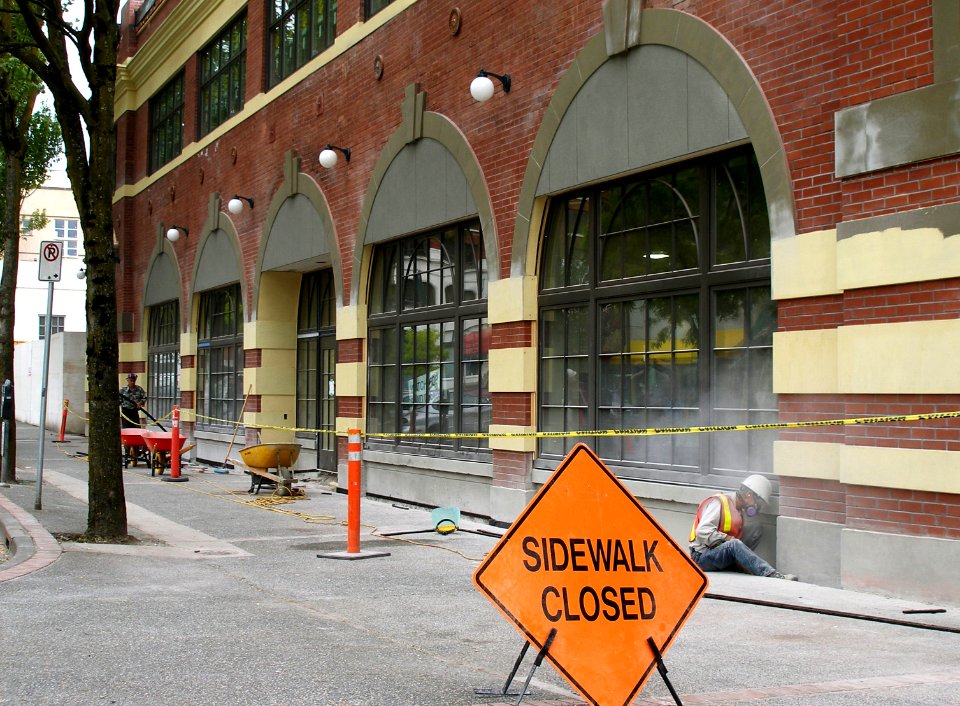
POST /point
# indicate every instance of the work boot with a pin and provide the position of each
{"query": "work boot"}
(785, 577)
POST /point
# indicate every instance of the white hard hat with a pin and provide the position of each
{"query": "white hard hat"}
(759, 486)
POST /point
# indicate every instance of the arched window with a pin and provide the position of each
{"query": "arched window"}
(655, 311)
(220, 358)
(163, 357)
(429, 336)
(316, 363)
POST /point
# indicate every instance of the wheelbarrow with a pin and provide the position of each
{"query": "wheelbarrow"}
(261, 458)
(160, 444)
(134, 446)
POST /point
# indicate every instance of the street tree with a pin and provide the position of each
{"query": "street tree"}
(84, 106)
(29, 142)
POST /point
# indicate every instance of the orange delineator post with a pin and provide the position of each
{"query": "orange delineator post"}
(63, 420)
(354, 448)
(353, 491)
(175, 443)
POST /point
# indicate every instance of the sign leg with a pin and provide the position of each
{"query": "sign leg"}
(505, 691)
(662, 668)
(537, 662)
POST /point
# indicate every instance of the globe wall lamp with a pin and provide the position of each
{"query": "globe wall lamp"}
(173, 233)
(481, 88)
(235, 205)
(328, 155)
(82, 273)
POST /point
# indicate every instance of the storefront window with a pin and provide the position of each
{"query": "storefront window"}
(163, 357)
(220, 358)
(429, 337)
(316, 357)
(670, 271)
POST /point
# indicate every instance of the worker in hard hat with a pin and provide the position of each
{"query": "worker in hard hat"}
(716, 538)
(132, 399)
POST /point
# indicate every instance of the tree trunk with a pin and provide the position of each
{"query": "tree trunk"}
(93, 179)
(8, 291)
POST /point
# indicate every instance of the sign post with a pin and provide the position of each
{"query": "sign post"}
(587, 560)
(51, 261)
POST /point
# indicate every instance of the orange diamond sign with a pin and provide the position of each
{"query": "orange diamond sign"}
(586, 558)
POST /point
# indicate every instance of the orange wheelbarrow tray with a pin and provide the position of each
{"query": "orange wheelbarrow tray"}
(262, 457)
(160, 444)
(134, 446)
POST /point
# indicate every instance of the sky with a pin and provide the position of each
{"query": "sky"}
(58, 171)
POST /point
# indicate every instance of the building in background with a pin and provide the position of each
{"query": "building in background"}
(67, 366)
(661, 215)
(69, 299)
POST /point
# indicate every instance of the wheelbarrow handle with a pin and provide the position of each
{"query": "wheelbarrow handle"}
(152, 418)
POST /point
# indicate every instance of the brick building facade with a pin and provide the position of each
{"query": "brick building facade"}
(687, 212)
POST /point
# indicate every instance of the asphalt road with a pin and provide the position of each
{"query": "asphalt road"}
(226, 602)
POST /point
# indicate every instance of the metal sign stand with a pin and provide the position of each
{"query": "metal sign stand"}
(525, 691)
(51, 259)
(505, 691)
(662, 668)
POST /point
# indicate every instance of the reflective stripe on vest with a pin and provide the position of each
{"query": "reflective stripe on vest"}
(730, 520)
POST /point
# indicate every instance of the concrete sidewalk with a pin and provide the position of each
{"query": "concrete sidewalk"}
(220, 559)
(32, 546)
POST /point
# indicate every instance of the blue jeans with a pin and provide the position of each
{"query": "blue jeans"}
(732, 554)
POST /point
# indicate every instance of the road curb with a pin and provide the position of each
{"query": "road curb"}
(31, 546)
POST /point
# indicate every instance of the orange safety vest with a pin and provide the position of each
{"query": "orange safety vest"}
(731, 521)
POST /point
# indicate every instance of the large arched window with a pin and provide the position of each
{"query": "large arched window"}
(655, 311)
(163, 357)
(316, 363)
(429, 336)
(220, 357)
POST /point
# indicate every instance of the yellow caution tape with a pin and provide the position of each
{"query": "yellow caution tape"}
(652, 431)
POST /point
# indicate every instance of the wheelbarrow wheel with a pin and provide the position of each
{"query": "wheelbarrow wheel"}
(157, 464)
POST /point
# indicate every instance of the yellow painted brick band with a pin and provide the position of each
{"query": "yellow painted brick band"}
(804, 265)
(928, 470)
(805, 361)
(519, 444)
(351, 379)
(512, 299)
(896, 256)
(270, 334)
(513, 370)
(899, 358)
(132, 352)
(351, 322)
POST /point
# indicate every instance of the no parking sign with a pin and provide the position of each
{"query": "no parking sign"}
(51, 259)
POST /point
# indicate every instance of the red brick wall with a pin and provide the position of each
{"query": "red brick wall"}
(810, 313)
(914, 301)
(511, 469)
(350, 351)
(931, 434)
(512, 408)
(518, 334)
(911, 512)
(811, 58)
(813, 499)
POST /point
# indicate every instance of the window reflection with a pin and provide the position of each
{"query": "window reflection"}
(429, 338)
(655, 311)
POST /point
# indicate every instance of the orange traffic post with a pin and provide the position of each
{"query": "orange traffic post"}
(175, 448)
(63, 421)
(354, 450)
(353, 491)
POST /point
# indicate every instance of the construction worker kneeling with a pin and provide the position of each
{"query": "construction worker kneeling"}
(718, 538)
